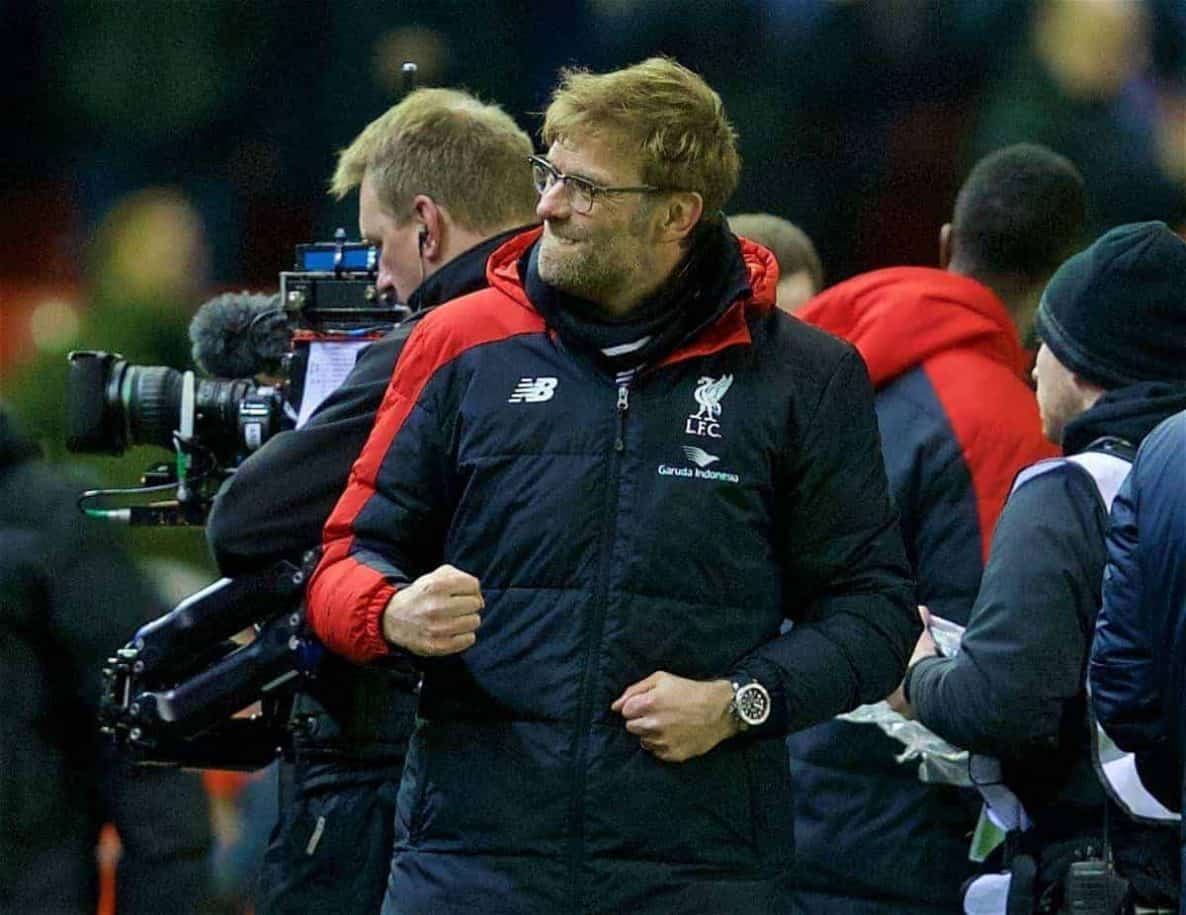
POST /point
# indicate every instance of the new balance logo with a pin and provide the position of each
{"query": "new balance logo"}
(533, 390)
(699, 456)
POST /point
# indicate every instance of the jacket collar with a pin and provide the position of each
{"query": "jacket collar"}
(1129, 413)
(464, 274)
(752, 287)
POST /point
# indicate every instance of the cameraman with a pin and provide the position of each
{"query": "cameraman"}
(442, 182)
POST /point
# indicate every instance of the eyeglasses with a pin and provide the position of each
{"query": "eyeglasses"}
(582, 193)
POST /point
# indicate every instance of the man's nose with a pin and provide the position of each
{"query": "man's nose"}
(384, 281)
(553, 203)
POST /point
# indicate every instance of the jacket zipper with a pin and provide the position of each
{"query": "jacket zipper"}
(623, 406)
(588, 685)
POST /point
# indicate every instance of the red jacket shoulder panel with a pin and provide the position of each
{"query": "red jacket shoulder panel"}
(902, 316)
(994, 417)
(441, 337)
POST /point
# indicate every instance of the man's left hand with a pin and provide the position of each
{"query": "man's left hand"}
(676, 718)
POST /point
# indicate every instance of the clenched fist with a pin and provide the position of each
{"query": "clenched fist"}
(437, 614)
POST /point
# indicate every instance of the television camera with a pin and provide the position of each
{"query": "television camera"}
(267, 358)
(177, 692)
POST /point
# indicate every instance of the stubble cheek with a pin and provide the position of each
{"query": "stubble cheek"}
(565, 268)
(549, 264)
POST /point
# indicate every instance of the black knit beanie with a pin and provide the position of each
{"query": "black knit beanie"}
(1115, 313)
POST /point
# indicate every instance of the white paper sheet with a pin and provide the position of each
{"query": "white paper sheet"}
(330, 361)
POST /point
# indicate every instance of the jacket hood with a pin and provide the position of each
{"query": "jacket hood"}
(899, 317)
(502, 270)
(1129, 413)
(762, 269)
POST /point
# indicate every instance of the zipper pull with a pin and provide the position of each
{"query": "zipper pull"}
(623, 406)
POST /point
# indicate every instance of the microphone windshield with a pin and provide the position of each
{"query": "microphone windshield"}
(239, 335)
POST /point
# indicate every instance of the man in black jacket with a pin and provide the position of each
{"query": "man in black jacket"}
(1111, 367)
(442, 181)
(593, 493)
(69, 596)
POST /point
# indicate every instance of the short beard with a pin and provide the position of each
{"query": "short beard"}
(578, 274)
(598, 273)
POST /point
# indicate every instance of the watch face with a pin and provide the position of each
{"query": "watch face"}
(753, 704)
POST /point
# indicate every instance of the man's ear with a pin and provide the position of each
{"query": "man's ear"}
(680, 213)
(946, 244)
(433, 226)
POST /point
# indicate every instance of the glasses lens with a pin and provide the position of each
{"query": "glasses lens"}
(542, 176)
(580, 195)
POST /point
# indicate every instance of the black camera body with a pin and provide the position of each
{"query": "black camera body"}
(257, 350)
(184, 691)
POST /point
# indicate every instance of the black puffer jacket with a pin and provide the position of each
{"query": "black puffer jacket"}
(670, 523)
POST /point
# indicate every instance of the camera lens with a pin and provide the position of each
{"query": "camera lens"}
(151, 395)
(217, 406)
(112, 405)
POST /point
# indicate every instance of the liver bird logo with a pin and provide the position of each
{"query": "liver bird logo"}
(708, 394)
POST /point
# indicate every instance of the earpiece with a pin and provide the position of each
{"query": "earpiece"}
(422, 239)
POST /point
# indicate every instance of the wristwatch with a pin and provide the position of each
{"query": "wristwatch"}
(751, 703)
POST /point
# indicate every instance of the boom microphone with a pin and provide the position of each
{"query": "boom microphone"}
(240, 335)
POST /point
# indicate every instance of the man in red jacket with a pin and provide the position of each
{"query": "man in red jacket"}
(958, 420)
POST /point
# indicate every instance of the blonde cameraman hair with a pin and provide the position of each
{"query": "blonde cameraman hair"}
(468, 156)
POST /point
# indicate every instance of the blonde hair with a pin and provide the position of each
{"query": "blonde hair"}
(665, 111)
(468, 156)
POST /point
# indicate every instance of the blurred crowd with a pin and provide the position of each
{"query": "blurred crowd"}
(170, 151)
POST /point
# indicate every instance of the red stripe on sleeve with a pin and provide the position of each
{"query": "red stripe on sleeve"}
(346, 598)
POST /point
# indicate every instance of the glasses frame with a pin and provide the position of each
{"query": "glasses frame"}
(593, 189)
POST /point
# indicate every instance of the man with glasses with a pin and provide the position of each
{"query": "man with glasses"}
(593, 494)
(441, 184)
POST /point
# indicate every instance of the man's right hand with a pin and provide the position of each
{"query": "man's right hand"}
(437, 614)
